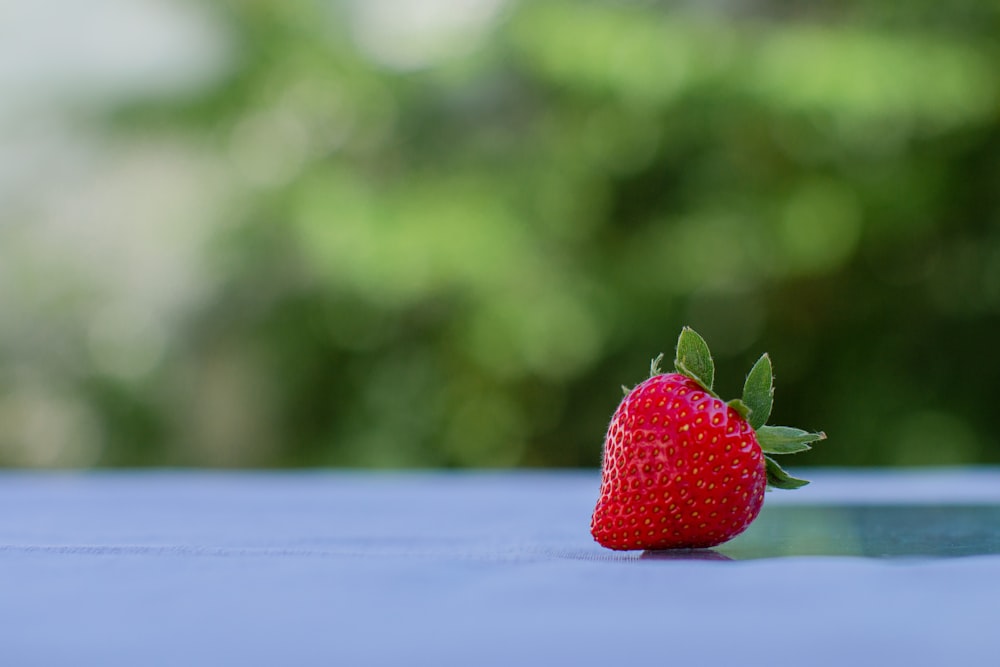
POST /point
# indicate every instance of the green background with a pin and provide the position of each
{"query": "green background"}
(449, 246)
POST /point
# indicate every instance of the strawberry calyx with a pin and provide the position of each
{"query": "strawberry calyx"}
(694, 360)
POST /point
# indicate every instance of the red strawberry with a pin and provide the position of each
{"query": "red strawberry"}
(682, 468)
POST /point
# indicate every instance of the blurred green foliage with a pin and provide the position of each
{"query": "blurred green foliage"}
(452, 252)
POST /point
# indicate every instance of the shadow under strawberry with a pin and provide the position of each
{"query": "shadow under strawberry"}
(683, 554)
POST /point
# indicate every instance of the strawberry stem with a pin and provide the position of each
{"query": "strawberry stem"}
(654, 365)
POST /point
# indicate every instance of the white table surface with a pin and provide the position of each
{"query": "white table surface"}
(355, 568)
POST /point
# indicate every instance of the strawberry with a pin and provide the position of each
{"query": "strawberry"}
(684, 469)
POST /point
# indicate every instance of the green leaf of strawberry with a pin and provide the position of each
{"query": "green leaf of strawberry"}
(684, 469)
(694, 358)
(758, 391)
(779, 479)
(785, 439)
